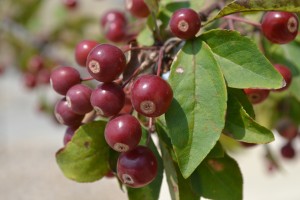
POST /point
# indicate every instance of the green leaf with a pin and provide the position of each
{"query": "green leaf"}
(243, 65)
(200, 104)
(241, 126)
(151, 191)
(86, 156)
(145, 37)
(179, 187)
(219, 178)
(243, 99)
(259, 5)
(217, 151)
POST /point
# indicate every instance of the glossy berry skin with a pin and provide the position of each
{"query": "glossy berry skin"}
(115, 31)
(123, 133)
(280, 27)
(137, 8)
(112, 16)
(256, 96)
(151, 96)
(82, 51)
(106, 62)
(65, 115)
(286, 74)
(70, 131)
(185, 23)
(78, 98)
(137, 168)
(108, 99)
(288, 151)
(63, 78)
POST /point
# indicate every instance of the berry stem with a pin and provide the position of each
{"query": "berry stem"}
(160, 58)
(240, 19)
(134, 74)
(140, 48)
(87, 79)
(151, 129)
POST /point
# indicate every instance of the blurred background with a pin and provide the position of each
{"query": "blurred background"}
(30, 136)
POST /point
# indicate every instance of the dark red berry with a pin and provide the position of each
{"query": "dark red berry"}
(106, 62)
(288, 151)
(110, 174)
(256, 96)
(69, 134)
(123, 133)
(137, 8)
(65, 115)
(43, 76)
(115, 31)
(185, 23)
(137, 168)
(113, 16)
(70, 4)
(78, 98)
(62, 78)
(287, 129)
(286, 74)
(30, 80)
(280, 27)
(127, 108)
(35, 64)
(82, 51)
(108, 99)
(151, 95)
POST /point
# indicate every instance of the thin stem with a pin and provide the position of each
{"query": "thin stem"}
(150, 129)
(157, 32)
(140, 48)
(160, 58)
(230, 24)
(240, 19)
(87, 79)
(134, 74)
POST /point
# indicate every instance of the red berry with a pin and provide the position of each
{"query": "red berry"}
(151, 95)
(108, 99)
(62, 78)
(70, 4)
(106, 62)
(286, 74)
(65, 115)
(43, 76)
(123, 133)
(115, 31)
(288, 151)
(82, 51)
(137, 168)
(287, 129)
(127, 108)
(78, 98)
(256, 96)
(185, 23)
(137, 8)
(113, 16)
(35, 64)
(110, 174)
(280, 27)
(29, 80)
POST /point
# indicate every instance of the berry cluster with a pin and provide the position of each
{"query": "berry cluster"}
(149, 95)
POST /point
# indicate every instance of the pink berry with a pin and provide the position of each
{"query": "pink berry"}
(288, 151)
(112, 16)
(137, 8)
(62, 78)
(82, 51)
(78, 98)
